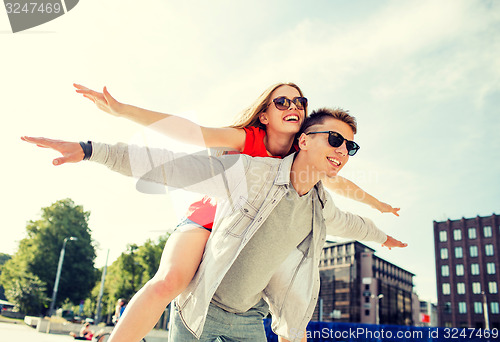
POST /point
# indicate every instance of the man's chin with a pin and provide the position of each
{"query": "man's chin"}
(332, 173)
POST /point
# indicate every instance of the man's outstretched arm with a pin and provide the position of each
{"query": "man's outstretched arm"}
(392, 242)
(348, 225)
(216, 177)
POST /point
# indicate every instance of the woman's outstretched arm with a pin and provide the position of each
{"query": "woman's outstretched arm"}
(172, 126)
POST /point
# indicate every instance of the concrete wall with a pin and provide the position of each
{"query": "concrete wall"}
(12, 314)
(46, 326)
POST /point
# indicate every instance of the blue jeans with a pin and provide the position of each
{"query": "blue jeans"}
(186, 221)
(221, 325)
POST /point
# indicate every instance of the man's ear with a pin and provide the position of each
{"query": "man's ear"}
(303, 141)
(263, 118)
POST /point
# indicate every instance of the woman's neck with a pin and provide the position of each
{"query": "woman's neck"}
(278, 144)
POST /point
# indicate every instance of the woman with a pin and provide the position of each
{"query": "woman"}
(265, 129)
(84, 334)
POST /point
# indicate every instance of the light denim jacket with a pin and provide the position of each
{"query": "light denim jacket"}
(247, 190)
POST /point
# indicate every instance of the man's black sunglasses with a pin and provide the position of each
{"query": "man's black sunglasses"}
(336, 139)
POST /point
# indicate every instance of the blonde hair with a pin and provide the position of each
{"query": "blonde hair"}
(250, 116)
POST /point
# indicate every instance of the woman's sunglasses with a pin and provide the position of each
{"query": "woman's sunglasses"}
(283, 103)
(336, 140)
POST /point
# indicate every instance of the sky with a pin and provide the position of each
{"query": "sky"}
(421, 77)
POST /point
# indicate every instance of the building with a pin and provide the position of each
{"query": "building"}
(467, 272)
(359, 287)
(428, 314)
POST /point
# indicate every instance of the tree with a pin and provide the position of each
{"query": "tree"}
(3, 259)
(38, 253)
(28, 292)
(127, 274)
(131, 272)
(150, 255)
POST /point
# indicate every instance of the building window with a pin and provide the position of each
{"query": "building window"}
(445, 270)
(342, 250)
(476, 287)
(492, 287)
(490, 268)
(443, 236)
(446, 289)
(472, 233)
(367, 312)
(461, 288)
(457, 234)
(488, 249)
(487, 231)
(367, 299)
(460, 269)
(473, 251)
(462, 307)
(478, 307)
(458, 252)
(444, 253)
(474, 269)
(447, 307)
(494, 307)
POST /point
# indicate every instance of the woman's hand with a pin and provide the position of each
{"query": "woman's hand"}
(71, 152)
(386, 208)
(104, 101)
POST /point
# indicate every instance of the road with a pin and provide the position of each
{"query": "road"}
(10, 332)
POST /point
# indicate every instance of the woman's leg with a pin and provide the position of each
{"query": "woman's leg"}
(179, 262)
(282, 339)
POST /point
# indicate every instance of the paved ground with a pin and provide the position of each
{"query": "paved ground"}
(10, 332)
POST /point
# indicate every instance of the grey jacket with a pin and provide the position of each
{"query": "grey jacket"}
(247, 190)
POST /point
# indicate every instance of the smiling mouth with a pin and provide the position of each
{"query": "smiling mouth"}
(291, 118)
(334, 161)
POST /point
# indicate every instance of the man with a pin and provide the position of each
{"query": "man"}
(121, 304)
(270, 227)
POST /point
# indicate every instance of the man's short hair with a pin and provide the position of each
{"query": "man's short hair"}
(318, 116)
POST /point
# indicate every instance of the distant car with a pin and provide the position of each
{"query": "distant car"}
(6, 306)
(68, 315)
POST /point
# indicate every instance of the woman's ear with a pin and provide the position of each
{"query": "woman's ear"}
(263, 118)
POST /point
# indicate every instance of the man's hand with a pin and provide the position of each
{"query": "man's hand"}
(104, 101)
(392, 242)
(71, 152)
(386, 208)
